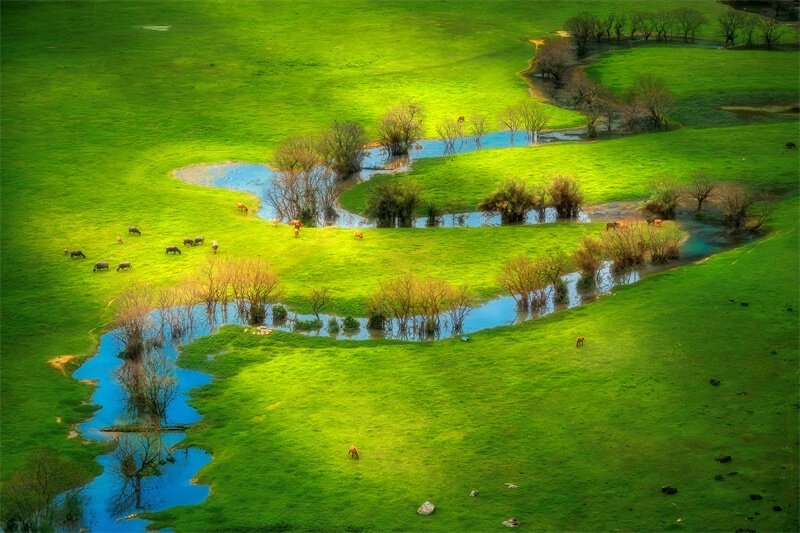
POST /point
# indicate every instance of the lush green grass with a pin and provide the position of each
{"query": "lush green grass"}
(590, 435)
(610, 170)
(97, 110)
(701, 79)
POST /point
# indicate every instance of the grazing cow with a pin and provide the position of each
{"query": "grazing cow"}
(119, 240)
(134, 229)
(612, 225)
(296, 232)
(214, 246)
(124, 265)
(296, 224)
(66, 251)
(461, 119)
(790, 144)
(657, 222)
(240, 206)
(100, 265)
(188, 241)
(275, 222)
(173, 249)
(352, 452)
(199, 239)
(77, 253)
(359, 235)
(579, 342)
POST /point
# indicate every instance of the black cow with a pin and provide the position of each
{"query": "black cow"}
(134, 229)
(100, 265)
(188, 241)
(77, 253)
(124, 265)
(199, 239)
(173, 249)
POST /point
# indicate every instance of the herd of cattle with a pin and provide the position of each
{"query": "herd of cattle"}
(187, 241)
(133, 230)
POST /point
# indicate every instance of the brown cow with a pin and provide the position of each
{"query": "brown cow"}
(240, 206)
(119, 240)
(359, 235)
(579, 342)
(657, 222)
(275, 222)
(461, 119)
(296, 224)
(612, 225)
(296, 232)
(352, 452)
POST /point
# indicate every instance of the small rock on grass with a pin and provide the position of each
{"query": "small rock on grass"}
(426, 508)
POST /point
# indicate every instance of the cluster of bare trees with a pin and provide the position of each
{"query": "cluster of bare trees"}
(586, 27)
(42, 497)
(309, 169)
(515, 198)
(632, 242)
(527, 116)
(531, 281)
(750, 28)
(417, 305)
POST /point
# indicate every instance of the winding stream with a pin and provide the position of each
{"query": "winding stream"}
(110, 499)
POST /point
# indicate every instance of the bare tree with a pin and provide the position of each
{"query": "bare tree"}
(749, 26)
(663, 22)
(554, 265)
(342, 147)
(771, 31)
(730, 22)
(534, 119)
(512, 200)
(736, 205)
(582, 29)
(400, 128)
(478, 127)
(701, 187)
(450, 131)
(432, 297)
(689, 21)
(620, 20)
(586, 96)
(459, 304)
(553, 59)
(636, 23)
(511, 120)
(254, 286)
(132, 321)
(319, 299)
(655, 98)
(646, 25)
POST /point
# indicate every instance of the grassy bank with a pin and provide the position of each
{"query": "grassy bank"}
(589, 435)
(610, 170)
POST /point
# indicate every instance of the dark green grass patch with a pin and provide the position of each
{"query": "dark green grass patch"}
(701, 79)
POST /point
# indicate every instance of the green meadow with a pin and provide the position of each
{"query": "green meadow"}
(102, 101)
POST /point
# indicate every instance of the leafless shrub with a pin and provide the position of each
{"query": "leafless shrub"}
(510, 119)
(663, 199)
(132, 321)
(741, 206)
(565, 195)
(553, 59)
(512, 200)
(522, 278)
(626, 245)
(663, 242)
(553, 266)
(400, 128)
(342, 147)
(534, 119)
(589, 257)
(254, 285)
(459, 304)
(701, 187)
